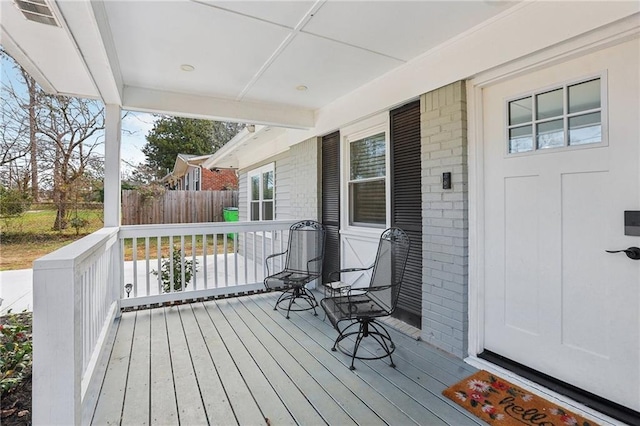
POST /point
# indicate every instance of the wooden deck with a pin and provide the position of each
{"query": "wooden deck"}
(237, 361)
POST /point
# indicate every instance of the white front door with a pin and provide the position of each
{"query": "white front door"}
(555, 301)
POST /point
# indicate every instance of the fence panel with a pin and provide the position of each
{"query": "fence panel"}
(176, 207)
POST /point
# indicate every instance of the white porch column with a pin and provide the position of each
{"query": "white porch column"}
(112, 198)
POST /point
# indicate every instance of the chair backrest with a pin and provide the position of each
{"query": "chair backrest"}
(388, 269)
(306, 247)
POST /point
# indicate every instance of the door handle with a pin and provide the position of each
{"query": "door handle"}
(631, 252)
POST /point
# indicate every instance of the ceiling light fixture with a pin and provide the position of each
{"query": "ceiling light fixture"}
(187, 67)
(301, 88)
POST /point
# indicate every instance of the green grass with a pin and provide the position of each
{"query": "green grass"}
(24, 239)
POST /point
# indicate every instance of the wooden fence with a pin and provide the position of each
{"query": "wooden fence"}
(176, 207)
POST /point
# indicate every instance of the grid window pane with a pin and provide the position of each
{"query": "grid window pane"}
(585, 129)
(550, 134)
(520, 111)
(368, 157)
(255, 187)
(549, 104)
(255, 210)
(267, 185)
(267, 210)
(368, 202)
(584, 96)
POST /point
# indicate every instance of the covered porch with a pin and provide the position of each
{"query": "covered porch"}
(298, 72)
(237, 361)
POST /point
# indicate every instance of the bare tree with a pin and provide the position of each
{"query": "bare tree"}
(18, 127)
(73, 128)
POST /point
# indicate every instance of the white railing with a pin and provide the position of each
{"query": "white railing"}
(228, 259)
(79, 290)
(75, 302)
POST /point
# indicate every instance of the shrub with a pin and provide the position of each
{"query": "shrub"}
(78, 222)
(15, 352)
(165, 271)
(13, 202)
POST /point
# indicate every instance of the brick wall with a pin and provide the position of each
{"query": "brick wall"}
(223, 179)
(445, 219)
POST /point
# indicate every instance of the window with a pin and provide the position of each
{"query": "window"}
(196, 179)
(186, 182)
(261, 193)
(570, 115)
(367, 181)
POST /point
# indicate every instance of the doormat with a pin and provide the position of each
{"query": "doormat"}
(499, 402)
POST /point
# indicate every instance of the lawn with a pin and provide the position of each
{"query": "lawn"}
(26, 238)
(29, 237)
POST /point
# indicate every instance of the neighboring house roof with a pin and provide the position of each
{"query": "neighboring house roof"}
(182, 164)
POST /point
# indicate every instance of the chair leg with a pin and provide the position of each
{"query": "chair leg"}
(362, 332)
(367, 327)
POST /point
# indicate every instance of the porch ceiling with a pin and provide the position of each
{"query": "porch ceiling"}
(249, 57)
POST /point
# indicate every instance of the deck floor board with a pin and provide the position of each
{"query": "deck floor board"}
(163, 408)
(237, 361)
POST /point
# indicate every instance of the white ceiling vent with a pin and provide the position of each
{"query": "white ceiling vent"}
(37, 11)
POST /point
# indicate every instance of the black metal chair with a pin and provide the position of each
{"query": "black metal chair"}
(303, 264)
(354, 311)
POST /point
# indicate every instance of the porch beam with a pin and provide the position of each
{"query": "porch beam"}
(206, 107)
(113, 126)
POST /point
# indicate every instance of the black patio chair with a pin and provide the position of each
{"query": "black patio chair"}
(303, 264)
(354, 311)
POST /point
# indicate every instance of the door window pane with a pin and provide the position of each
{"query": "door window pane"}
(520, 111)
(520, 139)
(584, 96)
(550, 134)
(549, 104)
(585, 129)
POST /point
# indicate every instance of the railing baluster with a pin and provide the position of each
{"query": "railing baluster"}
(159, 276)
(193, 253)
(215, 260)
(182, 271)
(147, 272)
(255, 257)
(171, 265)
(246, 258)
(205, 249)
(134, 251)
(226, 267)
(235, 258)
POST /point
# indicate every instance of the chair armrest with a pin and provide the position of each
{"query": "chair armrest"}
(266, 260)
(335, 275)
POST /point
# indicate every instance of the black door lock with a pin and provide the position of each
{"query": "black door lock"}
(631, 252)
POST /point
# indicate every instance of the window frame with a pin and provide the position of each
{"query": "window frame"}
(260, 172)
(354, 136)
(564, 86)
(196, 179)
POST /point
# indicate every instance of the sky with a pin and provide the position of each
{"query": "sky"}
(135, 125)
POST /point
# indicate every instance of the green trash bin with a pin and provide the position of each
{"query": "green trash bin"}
(230, 214)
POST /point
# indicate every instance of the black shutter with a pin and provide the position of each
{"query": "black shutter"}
(406, 205)
(331, 203)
